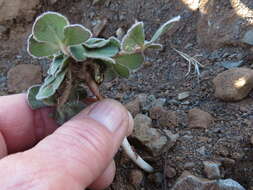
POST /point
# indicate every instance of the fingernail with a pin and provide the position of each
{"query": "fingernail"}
(108, 113)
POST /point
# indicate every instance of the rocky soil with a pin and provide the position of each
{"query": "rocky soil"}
(197, 131)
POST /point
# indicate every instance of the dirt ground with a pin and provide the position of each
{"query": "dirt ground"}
(164, 77)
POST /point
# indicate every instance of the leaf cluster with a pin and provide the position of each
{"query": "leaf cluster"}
(73, 51)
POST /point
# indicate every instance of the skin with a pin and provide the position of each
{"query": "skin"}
(37, 154)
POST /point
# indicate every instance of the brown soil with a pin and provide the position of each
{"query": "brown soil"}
(228, 137)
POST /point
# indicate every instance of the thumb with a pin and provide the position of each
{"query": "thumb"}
(74, 156)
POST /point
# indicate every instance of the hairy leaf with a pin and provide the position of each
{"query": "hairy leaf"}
(96, 43)
(77, 52)
(41, 49)
(104, 53)
(164, 28)
(152, 45)
(31, 96)
(58, 64)
(134, 39)
(115, 41)
(76, 34)
(109, 75)
(131, 61)
(51, 84)
(121, 70)
(101, 42)
(49, 27)
(36, 104)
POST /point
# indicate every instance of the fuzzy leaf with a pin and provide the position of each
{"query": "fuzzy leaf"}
(101, 42)
(131, 61)
(58, 64)
(31, 97)
(33, 102)
(134, 39)
(164, 28)
(114, 41)
(153, 45)
(109, 75)
(51, 84)
(49, 27)
(107, 59)
(96, 43)
(77, 52)
(104, 53)
(76, 34)
(40, 49)
(121, 70)
(108, 71)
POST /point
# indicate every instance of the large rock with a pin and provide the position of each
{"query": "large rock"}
(191, 182)
(24, 9)
(151, 137)
(225, 22)
(233, 84)
(23, 76)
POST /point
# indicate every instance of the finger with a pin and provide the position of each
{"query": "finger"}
(74, 156)
(105, 179)
(22, 127)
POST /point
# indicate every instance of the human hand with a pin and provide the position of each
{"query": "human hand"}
(77, 155)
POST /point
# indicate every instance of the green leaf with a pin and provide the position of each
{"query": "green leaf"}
(40, 49)
(115, 41)
(164, 28)
(77, 52)
(134, 39)
(109, 74)
(33, 102)
(101, 42)
(152, 45)
(31, 97)
(49, 27)
(105, 52)
(131, 61)
(96, 43)
(58, 65)
(76, 34)
(121, 70)
(51, 84)
(107, 59)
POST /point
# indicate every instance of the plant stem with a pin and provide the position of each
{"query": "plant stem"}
(125, 144)
(135, 157)
(66, 93)
(93, 86)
